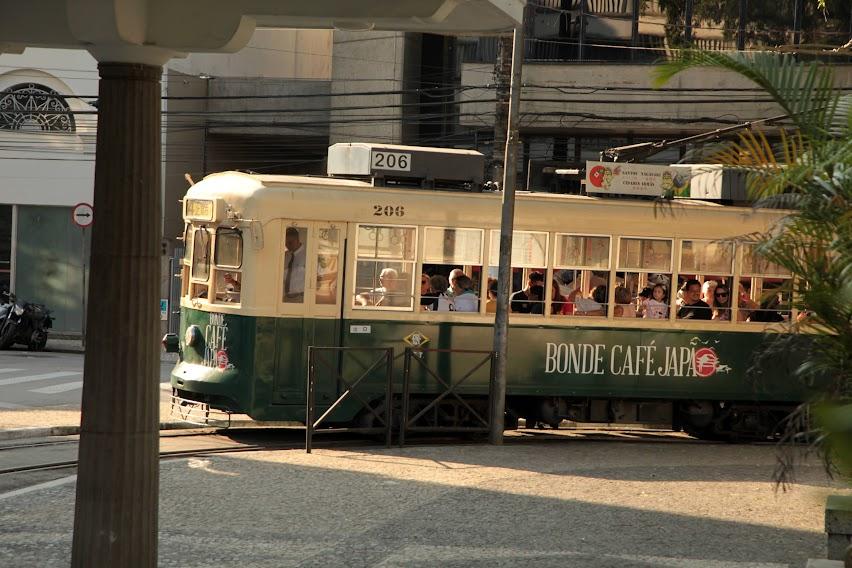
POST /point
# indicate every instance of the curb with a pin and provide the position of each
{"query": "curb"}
(48, 431)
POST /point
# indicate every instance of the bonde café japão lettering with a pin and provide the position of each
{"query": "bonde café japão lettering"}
(631, 360)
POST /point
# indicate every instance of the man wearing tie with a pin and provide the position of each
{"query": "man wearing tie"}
(294, 267)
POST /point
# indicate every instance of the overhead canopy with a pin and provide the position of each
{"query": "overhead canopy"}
(152, 31)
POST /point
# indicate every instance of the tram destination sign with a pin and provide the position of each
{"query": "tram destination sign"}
(616, 178)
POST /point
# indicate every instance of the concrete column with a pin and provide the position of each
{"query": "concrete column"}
(115, 522)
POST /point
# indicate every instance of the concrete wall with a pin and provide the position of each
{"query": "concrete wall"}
(622, 116)
(380, 62)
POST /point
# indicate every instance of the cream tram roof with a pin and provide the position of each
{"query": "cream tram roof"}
(263, 198)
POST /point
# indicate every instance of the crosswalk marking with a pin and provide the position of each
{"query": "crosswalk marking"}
(63, 387)
(10, 370)
(30, 378)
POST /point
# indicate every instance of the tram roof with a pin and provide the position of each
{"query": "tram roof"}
(253, 186)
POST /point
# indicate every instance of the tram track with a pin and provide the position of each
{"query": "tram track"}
(189, 444)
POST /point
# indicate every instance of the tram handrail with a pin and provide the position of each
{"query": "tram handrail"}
(314, 356)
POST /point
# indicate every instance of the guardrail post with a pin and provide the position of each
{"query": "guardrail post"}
(309, 411)
(389, 399)
(406, 373)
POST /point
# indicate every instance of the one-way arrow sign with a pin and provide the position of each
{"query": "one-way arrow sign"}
(82, 215)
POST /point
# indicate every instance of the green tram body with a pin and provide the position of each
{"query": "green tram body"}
(690, 375)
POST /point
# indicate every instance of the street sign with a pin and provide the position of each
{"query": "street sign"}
(82, 215)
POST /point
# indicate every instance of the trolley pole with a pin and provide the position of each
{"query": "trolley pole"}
(504, 274)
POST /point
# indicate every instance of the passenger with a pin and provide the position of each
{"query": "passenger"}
(642, 301)
(693, 306)
(657, 306)
(623, 305)
(426, 297)
(768, 312)
(745, 304)
(231, 283)
(438, 286)
(294, 266)
(569, 288)
(454, 273)
(536, 299)
(707, 291)
(721, 303)
(520, 301)
(491, 303)
(594, 306)
(559, 304)
(385, 295)
(464, 298)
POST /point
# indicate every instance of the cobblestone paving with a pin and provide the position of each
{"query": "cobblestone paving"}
(573, 503)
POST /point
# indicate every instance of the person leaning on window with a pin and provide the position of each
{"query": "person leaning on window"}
(387, 294)
(693, 306)
(521, 302)
(464, 298)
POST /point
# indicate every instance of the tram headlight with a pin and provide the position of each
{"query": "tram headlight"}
(190, 337)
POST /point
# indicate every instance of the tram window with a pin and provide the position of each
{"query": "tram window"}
(574, 276)
(201, 254)
(529, 259)
(766, 287)
(198, 291)
(384, 267)
(704, 257)
(644, 281)
(187, 243)
(650, 255)
(447, 255)
(712, 264)
(186, 260)
(295, 255)
(328, 256)
(227, 286)
(229, 248)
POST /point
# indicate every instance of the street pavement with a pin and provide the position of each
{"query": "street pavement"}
(575, 502)
(50, 382)
(617, 499)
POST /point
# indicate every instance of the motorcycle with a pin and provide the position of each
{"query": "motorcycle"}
(25, 323)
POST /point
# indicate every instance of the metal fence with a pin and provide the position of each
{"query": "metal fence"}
(329, 362)
(417, 358)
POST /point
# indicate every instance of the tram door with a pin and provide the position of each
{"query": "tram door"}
(311, 290)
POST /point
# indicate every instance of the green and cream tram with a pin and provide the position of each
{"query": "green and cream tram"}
(275, 264)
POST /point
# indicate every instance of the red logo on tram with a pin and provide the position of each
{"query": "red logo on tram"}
(704, 362)
(222, 359)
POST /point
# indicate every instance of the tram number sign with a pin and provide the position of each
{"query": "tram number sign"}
(82, 215)
(395, 161)
(389, 210)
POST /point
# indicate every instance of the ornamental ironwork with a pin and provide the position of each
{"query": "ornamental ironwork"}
(30, 106)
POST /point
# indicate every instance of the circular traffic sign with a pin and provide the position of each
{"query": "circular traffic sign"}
(82, 214)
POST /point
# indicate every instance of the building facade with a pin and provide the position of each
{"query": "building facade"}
(47, 147)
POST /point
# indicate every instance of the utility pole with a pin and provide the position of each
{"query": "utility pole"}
(741, 25)
(504, 274)
(687, 20)
(502, 77)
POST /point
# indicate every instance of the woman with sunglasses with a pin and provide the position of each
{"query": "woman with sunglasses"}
(721, 303)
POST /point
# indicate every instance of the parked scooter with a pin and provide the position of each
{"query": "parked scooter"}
(25, 323)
